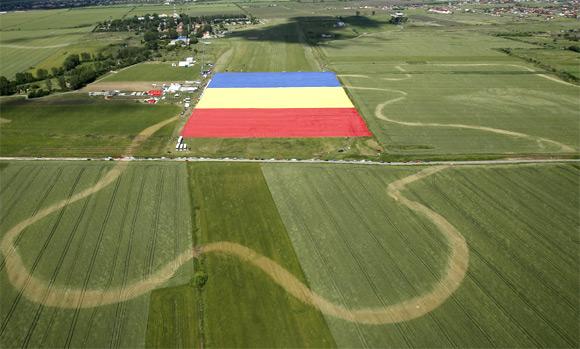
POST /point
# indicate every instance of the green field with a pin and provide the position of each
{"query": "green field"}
(155, 72)
(115, 237)
(360, 248)
(21, 51)
(423, 78)
(79, 126)
(41, 39)
(277, 46)
(160, 253)
(242, 307)
(332, 226)
(562, 60)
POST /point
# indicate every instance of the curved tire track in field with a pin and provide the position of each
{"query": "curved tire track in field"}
(39, 291)
(379, 115)
(398, 67)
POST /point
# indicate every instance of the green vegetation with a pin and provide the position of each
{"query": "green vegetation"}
(155, 72)
(285, 148)
(242, 306)
(173, 318)
(117, 236)
(80, 126)
(360, 248)
(277, 46)
(467, 85)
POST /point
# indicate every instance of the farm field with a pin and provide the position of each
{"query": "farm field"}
(413, 85)
(564, 60)
(200, 9)
(161, 72)
(325, 224)
(113, 238)
(242, 306)
(79, 126)
(273, 47)
(20, 51)
(360, 248)
(182, 252)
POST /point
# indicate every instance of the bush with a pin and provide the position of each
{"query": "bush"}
(200, 279)
(38, 93)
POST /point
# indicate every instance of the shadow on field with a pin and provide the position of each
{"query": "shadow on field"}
(316, 29)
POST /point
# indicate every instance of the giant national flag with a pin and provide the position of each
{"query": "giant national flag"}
(274, 105)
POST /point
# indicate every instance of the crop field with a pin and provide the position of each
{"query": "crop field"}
(273, 47)
(187, 252)
(190, 9)
(20, 51)
(564, 60)
(110, 239)
(85, 17)
(326, 225)
(360, 248)
(162, 72)
(41, 39)
(421, 95)
(79, 126)
(242, 306)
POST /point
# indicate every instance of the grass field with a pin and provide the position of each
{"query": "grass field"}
(20, 51)
(360, 248)
(332, 226)
(155, 72)
(297, 254)
(79, 126)
(563, 60)
(276, 46)
(242, 307)
(117, 236)
(420, 78)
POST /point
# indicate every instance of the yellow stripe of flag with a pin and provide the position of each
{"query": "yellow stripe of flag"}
(287, 97)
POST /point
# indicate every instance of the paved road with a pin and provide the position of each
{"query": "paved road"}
(312, 161)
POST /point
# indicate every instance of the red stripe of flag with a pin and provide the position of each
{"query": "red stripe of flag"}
(275, 123)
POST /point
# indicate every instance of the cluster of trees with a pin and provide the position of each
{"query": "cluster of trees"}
(75, 72)
(398, 19)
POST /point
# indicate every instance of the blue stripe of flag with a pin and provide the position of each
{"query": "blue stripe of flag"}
(289, 79)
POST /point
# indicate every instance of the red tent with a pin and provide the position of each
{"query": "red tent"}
(155, 93)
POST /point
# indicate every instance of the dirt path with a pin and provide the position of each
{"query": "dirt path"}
(398, 67)
(39, 291)
(4, 121)
(379, 114)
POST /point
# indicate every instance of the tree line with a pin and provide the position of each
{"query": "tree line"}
(76, 71)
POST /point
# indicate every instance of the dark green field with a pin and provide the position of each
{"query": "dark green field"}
(79, 126)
